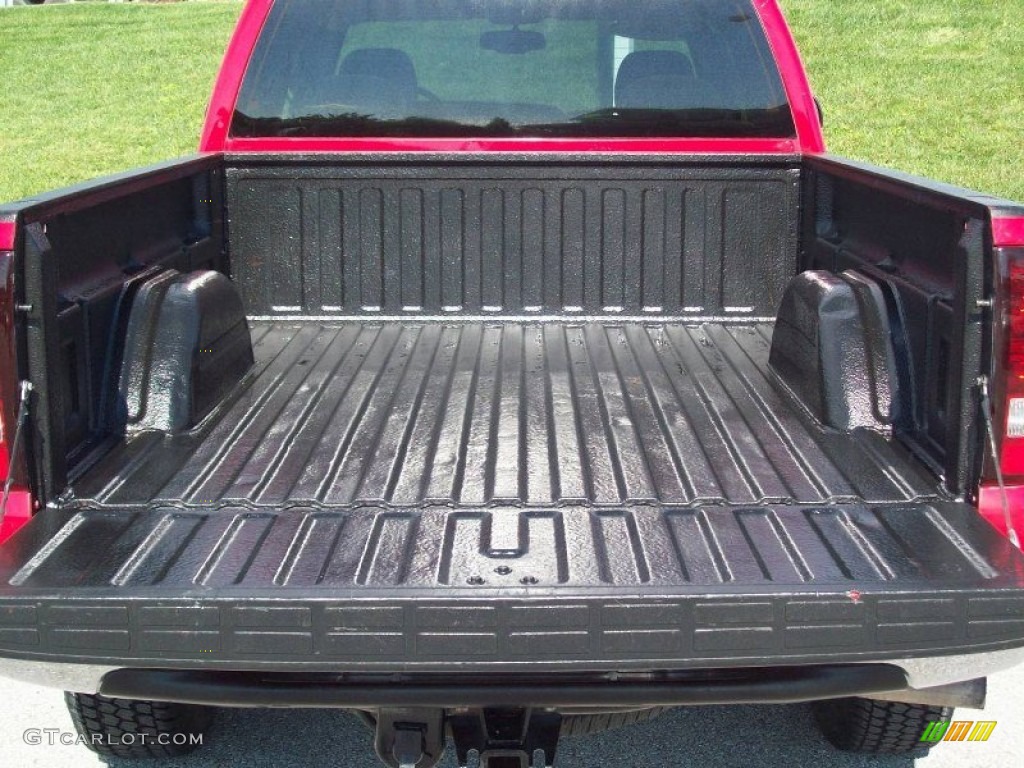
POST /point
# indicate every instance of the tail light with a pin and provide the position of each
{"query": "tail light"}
(1001, 497)
(1011, 456)
(18, 508)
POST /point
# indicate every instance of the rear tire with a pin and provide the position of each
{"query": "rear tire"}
(584, 725)
(137, 729)
(877, 727)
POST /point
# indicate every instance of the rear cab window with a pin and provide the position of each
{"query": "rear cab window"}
(512, 68)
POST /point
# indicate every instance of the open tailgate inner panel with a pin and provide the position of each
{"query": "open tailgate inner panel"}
(629, 588)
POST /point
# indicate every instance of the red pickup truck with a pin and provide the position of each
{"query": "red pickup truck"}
(502, 369)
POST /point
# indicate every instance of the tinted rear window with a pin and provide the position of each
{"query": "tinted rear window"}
(506, 68)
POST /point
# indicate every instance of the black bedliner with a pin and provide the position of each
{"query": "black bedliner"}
(472, 414)
(601, 495)
(503, 412)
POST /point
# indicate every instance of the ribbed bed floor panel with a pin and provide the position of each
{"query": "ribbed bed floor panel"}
(475, 414)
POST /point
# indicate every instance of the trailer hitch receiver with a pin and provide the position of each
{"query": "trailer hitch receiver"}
(506, 737)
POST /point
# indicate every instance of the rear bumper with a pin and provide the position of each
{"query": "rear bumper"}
(926, 680)
(776, 685)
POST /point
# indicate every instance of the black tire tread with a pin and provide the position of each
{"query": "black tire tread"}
(878, 727)
(103, 723)
(584, 725)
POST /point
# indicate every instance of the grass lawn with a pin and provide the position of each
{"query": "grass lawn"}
(934, 87)
(91, 89)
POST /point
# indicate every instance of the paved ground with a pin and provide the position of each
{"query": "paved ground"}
(736, 737)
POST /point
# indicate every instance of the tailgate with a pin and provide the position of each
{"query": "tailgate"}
(570, 588)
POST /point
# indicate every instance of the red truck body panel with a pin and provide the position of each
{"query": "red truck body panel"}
(229, 80)
(794, 77)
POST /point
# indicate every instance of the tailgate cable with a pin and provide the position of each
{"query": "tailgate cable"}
(12, 461)
(986, 412)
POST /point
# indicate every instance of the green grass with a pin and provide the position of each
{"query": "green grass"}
(934, 87)
(92, 89)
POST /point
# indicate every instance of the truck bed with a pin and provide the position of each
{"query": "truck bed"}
(618, 495)
(596, 495)
(500, 413)
(533, 416)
